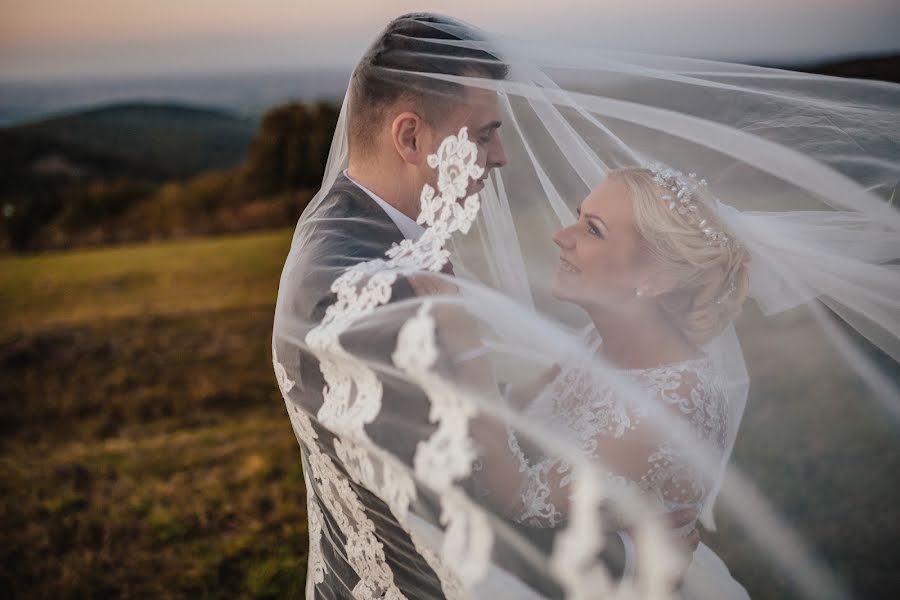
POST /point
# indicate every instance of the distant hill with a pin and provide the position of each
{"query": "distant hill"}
(242, 93)
(883, 68)
(158, 141)
(94, 164)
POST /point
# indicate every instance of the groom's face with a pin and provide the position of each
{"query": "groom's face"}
(480, 113)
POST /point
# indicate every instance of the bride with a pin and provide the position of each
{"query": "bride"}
(555, 240)
(658, 283)
(659, 279)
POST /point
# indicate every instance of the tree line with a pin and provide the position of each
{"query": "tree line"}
(47, 202)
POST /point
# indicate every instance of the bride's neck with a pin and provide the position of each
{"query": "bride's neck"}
(640, 337)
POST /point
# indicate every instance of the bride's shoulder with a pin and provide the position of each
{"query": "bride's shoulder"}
(695, 389)
(690, 383)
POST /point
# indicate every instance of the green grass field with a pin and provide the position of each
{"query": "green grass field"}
(146, 451)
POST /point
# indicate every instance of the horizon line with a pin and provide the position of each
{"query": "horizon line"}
(59, 78)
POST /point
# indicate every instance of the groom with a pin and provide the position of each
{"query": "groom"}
(394, 122)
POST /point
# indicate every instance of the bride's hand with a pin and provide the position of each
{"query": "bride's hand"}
(457, 332)
(455, 325)
(431, 284)
(451, 317)
(686, 545)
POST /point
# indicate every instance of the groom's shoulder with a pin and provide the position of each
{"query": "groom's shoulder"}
(348, 217)
(345, 228)
(344, 199)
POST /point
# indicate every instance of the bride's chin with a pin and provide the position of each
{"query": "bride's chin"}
(560, 290)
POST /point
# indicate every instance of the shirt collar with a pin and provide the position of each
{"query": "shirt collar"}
(409, 228)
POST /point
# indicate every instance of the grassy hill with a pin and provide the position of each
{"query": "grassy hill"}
(145, 450)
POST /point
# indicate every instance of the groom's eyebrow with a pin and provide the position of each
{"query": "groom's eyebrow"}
(489, 126)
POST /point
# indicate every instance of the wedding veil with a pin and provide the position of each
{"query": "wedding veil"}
(799, 172)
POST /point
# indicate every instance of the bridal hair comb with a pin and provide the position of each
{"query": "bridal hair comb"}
(725, 296)
(684, 188)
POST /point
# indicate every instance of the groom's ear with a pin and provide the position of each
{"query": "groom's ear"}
(408, 133)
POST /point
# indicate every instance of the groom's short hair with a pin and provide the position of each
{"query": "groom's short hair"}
(415, 43)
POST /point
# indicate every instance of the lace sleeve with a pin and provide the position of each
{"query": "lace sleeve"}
(632, 447)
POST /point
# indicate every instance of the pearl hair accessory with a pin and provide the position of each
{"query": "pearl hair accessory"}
(684, 187)
(724, 297)
(683, 202)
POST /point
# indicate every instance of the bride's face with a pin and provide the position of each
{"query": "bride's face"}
(600, 254)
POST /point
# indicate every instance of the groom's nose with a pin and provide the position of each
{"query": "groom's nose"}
(496, 157)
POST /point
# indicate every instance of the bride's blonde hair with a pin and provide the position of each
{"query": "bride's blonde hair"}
(709, 279)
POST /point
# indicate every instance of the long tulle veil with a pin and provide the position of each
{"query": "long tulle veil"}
(800, 170)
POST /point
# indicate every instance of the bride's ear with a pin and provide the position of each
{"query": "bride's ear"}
(407, 130)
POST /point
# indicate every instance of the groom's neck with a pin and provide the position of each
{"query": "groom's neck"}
(391, 185)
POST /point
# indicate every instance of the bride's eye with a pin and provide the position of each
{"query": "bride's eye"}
(594, 231)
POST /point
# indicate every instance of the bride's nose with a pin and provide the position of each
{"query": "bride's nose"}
(564, 239)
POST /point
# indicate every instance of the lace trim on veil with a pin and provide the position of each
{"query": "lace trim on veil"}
(360, 290)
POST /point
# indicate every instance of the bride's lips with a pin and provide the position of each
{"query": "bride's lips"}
(567, 267)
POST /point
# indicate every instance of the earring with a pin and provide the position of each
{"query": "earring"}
(638, 292)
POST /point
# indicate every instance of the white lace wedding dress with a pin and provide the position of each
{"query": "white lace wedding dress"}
(623, 438)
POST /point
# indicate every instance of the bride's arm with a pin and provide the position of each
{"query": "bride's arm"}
(522, 483)
(505, 479)
(641, 453)
(521, 396)
(632, 444)
(534, 490)
(498, 478)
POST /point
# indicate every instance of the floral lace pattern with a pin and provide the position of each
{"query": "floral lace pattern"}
(537, 508)
(352, 398)
(364, 552)
(574, 556)
(316, 567)
(588, 411)
(448, 455)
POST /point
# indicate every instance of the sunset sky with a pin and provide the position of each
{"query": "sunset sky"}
(77, 38)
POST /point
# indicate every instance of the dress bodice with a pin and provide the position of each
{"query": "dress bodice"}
(634, 438)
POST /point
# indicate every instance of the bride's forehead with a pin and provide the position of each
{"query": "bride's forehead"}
(610, 195)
